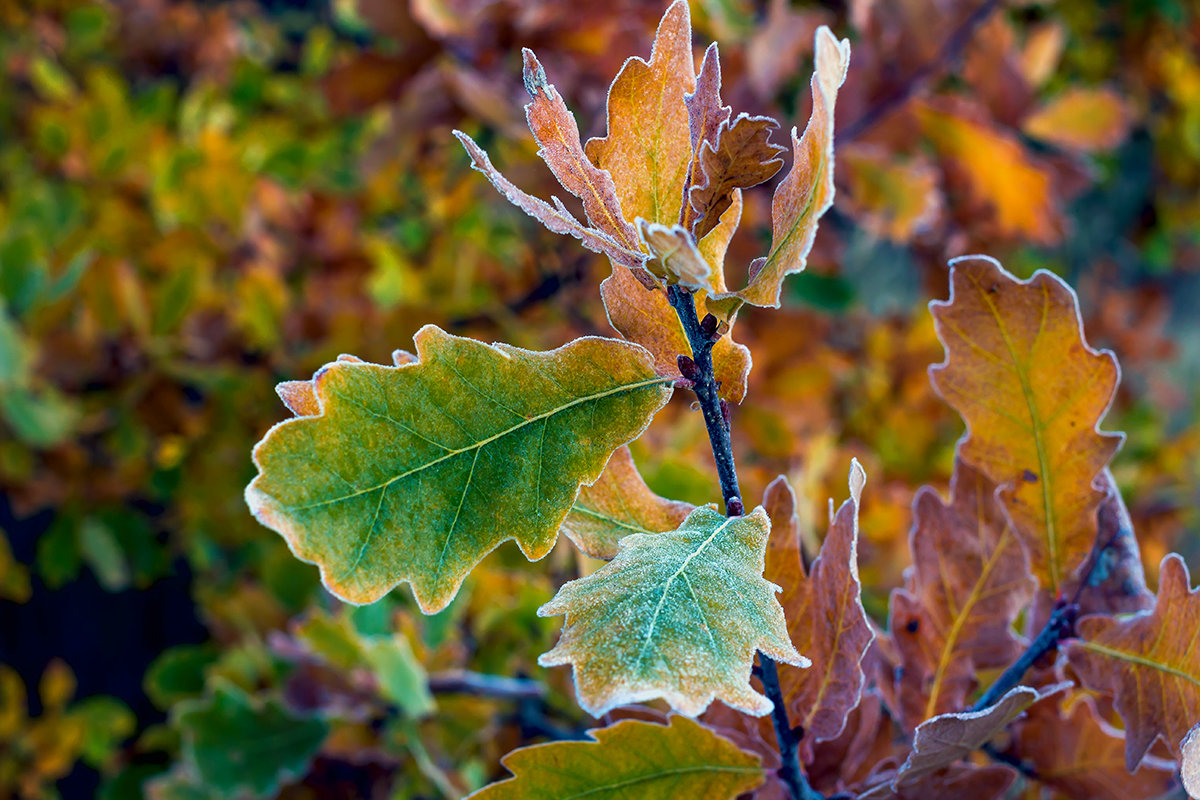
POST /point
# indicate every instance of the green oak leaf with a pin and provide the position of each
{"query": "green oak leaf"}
(237, 744)
(631, 759)
(416, 472)
(676, 615)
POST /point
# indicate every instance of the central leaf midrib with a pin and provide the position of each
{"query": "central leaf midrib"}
(484, 442)
(1134, 658)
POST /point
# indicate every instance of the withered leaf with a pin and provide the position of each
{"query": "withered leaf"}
(1149, 662)
(617, 504)
(826, 620)
(648, 147)
(680, 759)
(676, 615)
(1075, 752)
(1032, 393)
(674, 256)
(969, 580)
(807, 191)
(706, 115)
(414, 473)
(1117, 583)
(742, 156)
(954, 782)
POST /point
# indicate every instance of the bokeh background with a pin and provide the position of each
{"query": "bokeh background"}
(199, 199)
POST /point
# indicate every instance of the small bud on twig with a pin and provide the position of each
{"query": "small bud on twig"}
(688, 368)
(725, 413)
(734, 507)
(708, 326)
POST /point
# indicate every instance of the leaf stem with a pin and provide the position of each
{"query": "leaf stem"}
(701, 337)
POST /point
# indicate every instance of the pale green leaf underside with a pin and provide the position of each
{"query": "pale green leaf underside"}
(676, 615)
(415, 473)
(631, 759)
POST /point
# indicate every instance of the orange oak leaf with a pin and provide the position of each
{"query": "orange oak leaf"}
(1076, 753)
(1088, 120)
(706, 115)
(968, 582)
(825, 615)
(807, 191)
(648, 146)
(1031, 392)
(557, 135)
(999, 173)
(1149, 662)
(617, 504)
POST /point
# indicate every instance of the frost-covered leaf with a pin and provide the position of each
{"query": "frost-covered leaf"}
(648, 148)
(807, 191)
(946, 738)
(557, 135)
(970, 579)
(1075, 752)
(415, 473)
(631, 759)
(676, 615)
(1189, 761)
(239, 745)
(1149, 662)
(743, 156)
(674, 256)
(955, 782)
(1032, 393)
(826, 620)
(1087, 120)
(618, 504)
(1117, 583)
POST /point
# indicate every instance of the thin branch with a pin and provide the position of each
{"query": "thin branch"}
(698, 369)
(951, 49)
(481, 685)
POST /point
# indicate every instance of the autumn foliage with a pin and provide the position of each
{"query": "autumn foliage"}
(770, 483)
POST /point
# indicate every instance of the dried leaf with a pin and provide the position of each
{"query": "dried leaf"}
(676, 615)
(1189, 761)
(648, 147)
(557, 135)
(1149, 662)
(555, 217)
(1000, 173)
(680, 759)
(674, 256)
(706, 115)
(946, 738)
(826, 620)
(807, 191)
(1077, 753)
(952, 783)
(617, 504)
(1117, 583)
(968, 583)
(1087, 120)
(1032, 393)
(415, 473)
(742, 156)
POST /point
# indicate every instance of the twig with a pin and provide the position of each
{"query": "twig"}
(698, 369)
(950, 51)
(480, 685)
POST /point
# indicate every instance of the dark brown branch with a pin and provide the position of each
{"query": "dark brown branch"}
(698, 369)
(948, 54)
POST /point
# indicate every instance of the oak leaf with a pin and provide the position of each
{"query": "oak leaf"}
(1149, 662)
(1078, 754)
(1189, 761)
(631, 759)
(1032, 393)
(954, 782)
(674, 256)
(826, 619)
(414, 473)
(807, 191)
(676, 615)
(1087, 120)
(618, 504)
(968, 583)
(647, 148)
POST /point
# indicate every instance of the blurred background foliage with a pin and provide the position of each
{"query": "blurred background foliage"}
(200, 199)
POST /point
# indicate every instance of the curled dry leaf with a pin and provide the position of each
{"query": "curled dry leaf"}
(969, 581)
(1032, 393)
(807, 191)
(1117, 584)
(1149, 662)
(679, 759)
(617, 505)
(674, 256)
(825, 615)
(1075, 752)
(676, 615)
(415, 473)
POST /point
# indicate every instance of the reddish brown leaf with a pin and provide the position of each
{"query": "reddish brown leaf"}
(742, 156)
(968, 583)
(1149, 662)
(955, 782)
